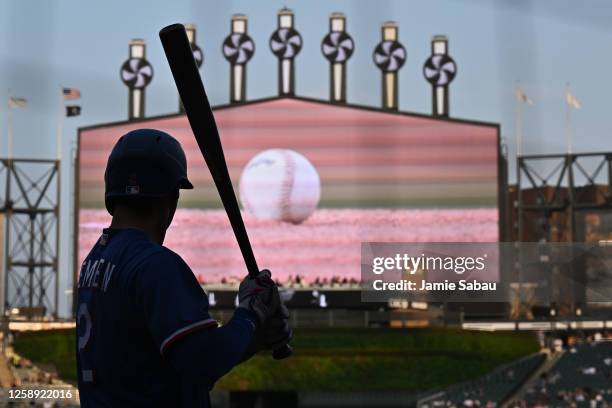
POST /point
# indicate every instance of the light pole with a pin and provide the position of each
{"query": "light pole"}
(238, 49)
(389, 56)
(439, 70)
(286, 44)
(579, 322)
(136, 74)
(337, 47)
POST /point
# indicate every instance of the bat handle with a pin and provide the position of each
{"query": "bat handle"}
(252, 267)
(282, 352)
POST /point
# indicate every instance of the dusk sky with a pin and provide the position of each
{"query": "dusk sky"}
(542, 43)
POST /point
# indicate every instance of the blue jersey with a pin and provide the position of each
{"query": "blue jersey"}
(135, 299)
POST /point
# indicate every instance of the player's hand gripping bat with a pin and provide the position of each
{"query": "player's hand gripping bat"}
(191, 90)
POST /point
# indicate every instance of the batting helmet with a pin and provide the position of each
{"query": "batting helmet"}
(145, 163)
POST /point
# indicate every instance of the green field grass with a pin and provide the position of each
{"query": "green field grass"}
(50, 347)
(340, 359)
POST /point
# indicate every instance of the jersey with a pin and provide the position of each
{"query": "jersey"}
(135, 299)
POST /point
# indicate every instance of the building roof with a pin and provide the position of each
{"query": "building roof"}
(367, 108)
(364, 156)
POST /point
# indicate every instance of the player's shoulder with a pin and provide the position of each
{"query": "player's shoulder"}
(161, 262)
(163, 269)
(160, 256)
(135, 252)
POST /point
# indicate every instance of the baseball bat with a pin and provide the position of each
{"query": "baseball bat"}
(202, 121)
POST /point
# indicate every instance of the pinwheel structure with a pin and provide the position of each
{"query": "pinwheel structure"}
(389, 56)
(198, 55)
(285, 43)
(136, 73)
(238, 48)
(439, 69)
(337, 47)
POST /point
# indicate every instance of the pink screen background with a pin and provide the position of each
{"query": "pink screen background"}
(385, 177)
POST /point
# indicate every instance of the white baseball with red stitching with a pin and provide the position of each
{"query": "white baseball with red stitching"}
(280, 184)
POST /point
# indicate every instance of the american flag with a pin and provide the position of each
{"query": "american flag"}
(572, 101)
(16, 102)
(71, 93)
(521, 96)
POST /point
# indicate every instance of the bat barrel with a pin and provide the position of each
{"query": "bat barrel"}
(202, 121)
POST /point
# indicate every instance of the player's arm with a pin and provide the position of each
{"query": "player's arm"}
(209, 354)
(204, 356)
(176, 310)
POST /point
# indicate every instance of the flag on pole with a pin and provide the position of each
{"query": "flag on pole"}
(73, 110)
(71, 93)
(572, 101)
(521, 96)
(15, 102)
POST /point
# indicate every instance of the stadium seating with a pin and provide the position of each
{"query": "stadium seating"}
(582, 376)
(489, 390)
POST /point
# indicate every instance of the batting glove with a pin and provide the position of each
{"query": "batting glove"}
(259, 295)
(273, 334)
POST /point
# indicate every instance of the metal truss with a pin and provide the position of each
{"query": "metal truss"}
(563, 183)
(552, 192)
(29, 198)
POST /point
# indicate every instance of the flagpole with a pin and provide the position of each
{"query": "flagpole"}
(568, 109)
(60, 122)
(5, 225)
(519, 120)
(9, 135)
(4, 249)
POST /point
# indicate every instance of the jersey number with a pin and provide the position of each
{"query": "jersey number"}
(84, 320)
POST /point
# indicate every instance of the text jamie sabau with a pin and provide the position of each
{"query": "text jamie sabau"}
(414, 264)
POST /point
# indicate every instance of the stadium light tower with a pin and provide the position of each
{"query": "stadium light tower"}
(136, 74)
(389, 56)
(238, 49)
(439, 70)
(337, 47)
(286, 43)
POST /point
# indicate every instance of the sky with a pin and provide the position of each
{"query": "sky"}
(542, 43)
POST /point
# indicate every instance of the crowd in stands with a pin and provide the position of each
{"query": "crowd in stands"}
(26, 375)
(333, 282)
(582, 377)
(487, 391)
(298, 281)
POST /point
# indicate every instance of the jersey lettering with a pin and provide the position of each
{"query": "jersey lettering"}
(90, 274)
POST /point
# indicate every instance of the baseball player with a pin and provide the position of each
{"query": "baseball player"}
(144, 335)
